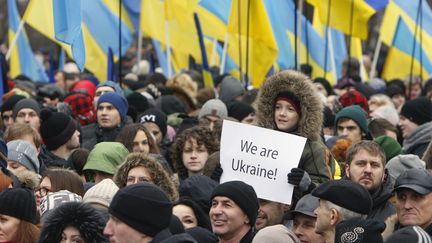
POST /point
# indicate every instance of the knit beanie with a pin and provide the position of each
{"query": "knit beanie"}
(290, 98)
(409, 234)
(418, 110)
(157, 117)
(55, 199)
(354, 98)
(19, 203)
(56, 128)
(106, 157)
(214, 107)
(276, 234)
(101, 193)
(393, 90)
(117, 89)
(230, 88)
(143, 206)
(355, 113)
(358, 230)
(240, 110)
(26, 103)
(24, 153)
(10, 103)
(390, 146)
(387, 112)
(118, 101)
(403, 162)
(325, 83)
(242, 194)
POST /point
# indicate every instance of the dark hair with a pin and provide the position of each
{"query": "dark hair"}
(370, 146)
(379, 126)
(128, 133)
(78, 158)
(202, 135)
(64, 179)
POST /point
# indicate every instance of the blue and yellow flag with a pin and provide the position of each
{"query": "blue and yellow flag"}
(263, 50)
(344, 13)
(100, 26)
(22, 59)
(406, 56)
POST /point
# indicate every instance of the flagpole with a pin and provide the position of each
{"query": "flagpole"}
(120, 80)
(326, 47)
(139, 49)
(375, 57)
(247, 44)
(299, 32)
(14, 40)
(213, 55)
(224, 54)
(332, 59)
(168, 48)
(413, 49)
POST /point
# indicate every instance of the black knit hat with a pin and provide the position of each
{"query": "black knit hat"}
(345, 193)
(239, 110)
(358, 230)
(19, 203)
(10, 102)
(418, 110)
(56, 128)
(144, 207)
(156, 116)
(26, 103)
(242, 194)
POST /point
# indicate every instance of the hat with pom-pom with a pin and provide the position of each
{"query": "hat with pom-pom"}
(56, 128)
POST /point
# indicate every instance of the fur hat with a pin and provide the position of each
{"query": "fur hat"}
(19, 203)
(214, 107)
(26, 103)
(356, 114)
(102, 193)
(118, 101)
(355, 197)
(24, 153)
(157, 117)
(56, 128)
(418, 110)
(242, 194)
(139, 205)
(81, 216)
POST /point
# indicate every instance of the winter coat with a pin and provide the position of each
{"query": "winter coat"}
(51, 160)
(419, 140)
(382, 208)
(82, 216)
(316, 159)
(92, 134)
(165, 236)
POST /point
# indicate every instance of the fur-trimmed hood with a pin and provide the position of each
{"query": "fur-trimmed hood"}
(302, 87)
(89, 222)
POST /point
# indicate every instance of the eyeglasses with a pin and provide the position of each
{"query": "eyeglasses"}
(43, 191)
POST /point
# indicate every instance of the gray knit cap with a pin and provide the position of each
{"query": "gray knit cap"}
(26, 103)
(214, 107)
(403, 162)
(24, 153)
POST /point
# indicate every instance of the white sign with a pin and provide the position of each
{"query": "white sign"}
(261, 158)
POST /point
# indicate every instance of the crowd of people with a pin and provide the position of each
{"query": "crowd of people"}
(84, 160)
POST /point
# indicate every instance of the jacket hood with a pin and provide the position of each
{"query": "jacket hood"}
(302, 87)
(83, 217)
(106, 157)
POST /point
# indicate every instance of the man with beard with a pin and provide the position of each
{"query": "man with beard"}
(270, 213)
(60, 135)
(366, 166)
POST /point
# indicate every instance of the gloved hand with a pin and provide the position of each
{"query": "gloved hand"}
(217, 173)
(300, 179)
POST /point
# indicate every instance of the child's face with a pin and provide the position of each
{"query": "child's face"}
(285, 116)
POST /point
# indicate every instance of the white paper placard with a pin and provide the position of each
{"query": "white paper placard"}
(261, 158)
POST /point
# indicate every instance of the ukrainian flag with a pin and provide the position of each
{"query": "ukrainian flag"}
(22, 59)
(405, 50)
(100, 26)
